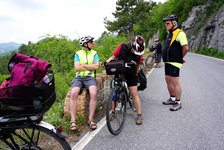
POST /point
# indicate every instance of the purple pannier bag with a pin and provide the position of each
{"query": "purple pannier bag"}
(24, 72)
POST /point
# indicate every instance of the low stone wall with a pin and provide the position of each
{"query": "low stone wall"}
(103, 86)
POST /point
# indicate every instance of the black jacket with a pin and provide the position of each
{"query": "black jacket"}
(126, 55)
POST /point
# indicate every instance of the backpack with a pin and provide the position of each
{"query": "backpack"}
(142, 80)
(3, 87)
(24, 72)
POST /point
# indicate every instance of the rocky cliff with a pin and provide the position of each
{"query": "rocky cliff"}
(202, 31)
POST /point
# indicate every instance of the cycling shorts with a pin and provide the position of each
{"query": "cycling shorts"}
(171, 70)
(83, 82)
(132, 79)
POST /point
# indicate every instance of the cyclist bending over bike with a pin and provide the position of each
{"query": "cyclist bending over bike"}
(132, 52)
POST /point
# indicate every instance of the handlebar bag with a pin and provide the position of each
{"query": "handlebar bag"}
(115, 67)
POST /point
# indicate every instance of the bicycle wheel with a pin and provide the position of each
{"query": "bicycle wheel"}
(32, 138)
(150, 61)
(116, 110)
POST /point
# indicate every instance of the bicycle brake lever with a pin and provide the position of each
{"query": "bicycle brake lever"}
(126, 66)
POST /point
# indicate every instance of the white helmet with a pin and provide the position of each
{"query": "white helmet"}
(85, 39)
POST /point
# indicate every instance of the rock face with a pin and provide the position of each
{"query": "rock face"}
(203, 32)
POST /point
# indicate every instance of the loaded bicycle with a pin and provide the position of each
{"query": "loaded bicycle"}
(21, 125)
(117, 101)
(151, 60)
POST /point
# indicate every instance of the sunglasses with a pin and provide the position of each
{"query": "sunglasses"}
(91, 42)
(167, 23)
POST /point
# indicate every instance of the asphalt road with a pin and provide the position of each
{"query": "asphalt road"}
(199, 125)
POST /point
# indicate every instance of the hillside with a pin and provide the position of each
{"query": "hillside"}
(203, 31)
(8, 47)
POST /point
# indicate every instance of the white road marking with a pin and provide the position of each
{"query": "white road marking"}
(85, 140)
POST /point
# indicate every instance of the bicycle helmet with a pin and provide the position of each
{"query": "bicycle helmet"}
(85, 39)
(138, 45)
(156, 40)
(171, 18)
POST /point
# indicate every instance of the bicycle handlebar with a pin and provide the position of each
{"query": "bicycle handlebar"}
(126, 65)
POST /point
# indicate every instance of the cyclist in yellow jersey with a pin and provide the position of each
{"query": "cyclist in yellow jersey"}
(174, 50)
(86, 62)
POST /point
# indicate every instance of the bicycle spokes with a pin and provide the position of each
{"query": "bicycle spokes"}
(116, 110)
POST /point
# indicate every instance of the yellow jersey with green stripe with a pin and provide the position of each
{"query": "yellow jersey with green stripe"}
(86, 57)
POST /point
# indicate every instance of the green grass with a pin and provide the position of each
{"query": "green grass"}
(210, 52)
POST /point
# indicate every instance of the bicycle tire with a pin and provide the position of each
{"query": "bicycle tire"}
(32, 137)
(150, 61)
(116, 124)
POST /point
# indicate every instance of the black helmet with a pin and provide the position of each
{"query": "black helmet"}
(138, 45)
(171, 18)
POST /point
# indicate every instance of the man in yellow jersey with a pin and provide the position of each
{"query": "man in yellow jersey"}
(86, 62)
(174, 50)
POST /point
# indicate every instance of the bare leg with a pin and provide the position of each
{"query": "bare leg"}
(73, 103)
(177, 90)
(93, 101)
(176, 87)
(92, 106)
(134, 94)
(170, 85)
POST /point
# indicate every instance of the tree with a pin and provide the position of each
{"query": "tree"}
(130, 18)
(124, 20)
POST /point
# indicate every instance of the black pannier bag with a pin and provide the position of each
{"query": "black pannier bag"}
(115, 67)
(142, 80)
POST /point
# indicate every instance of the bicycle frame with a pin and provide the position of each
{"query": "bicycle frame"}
(119, 80)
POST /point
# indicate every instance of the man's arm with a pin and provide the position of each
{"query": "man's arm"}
(79, 67)
(84, 67)
(93, 66)
(115, 53)
(184, 51)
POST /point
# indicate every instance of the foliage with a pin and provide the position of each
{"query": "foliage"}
(129, 18)
(4, 63)
(105, 46)
(55, 116)
(145, 17)
(210, 52)
(3, 77)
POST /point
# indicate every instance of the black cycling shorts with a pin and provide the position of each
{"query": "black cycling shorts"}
(171, 70)
(132, 79)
